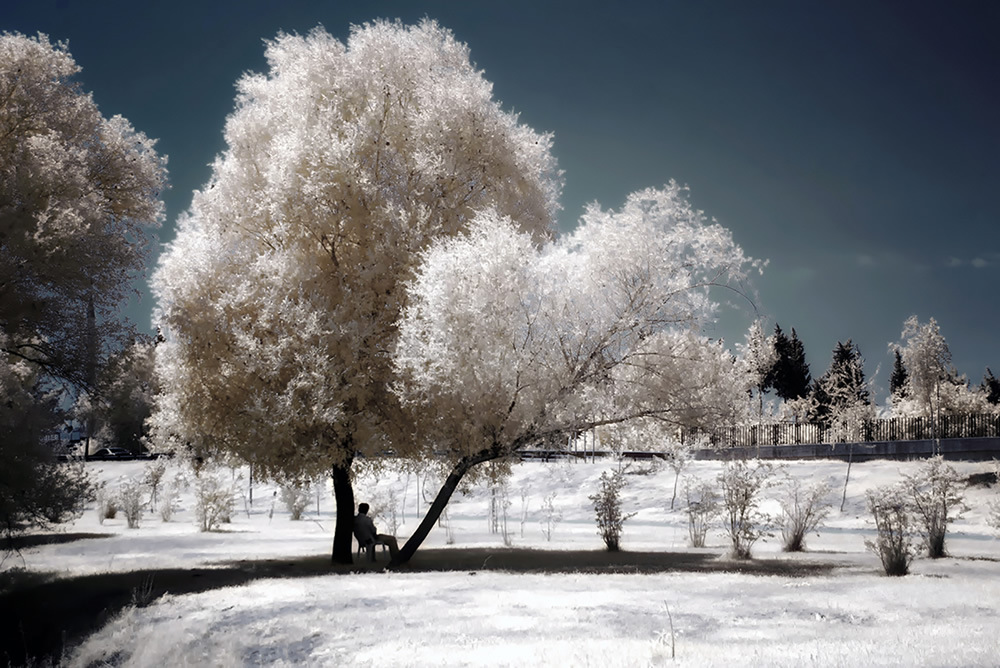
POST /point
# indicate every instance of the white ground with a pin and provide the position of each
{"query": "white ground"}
(946, 613)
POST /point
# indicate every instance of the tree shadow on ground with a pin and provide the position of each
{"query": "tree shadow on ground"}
(42, 616)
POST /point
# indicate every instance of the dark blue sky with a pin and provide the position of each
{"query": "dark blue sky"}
(854, 144)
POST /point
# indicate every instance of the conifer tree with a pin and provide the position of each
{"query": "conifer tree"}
(991, 387)
(842, 386)
(898, 379)
(789, 377)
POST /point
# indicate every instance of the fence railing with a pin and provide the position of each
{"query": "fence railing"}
(861, 431)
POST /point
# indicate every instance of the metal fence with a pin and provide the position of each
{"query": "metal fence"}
(863, 431)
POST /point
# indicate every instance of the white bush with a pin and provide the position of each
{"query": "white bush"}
(215, 499)
(935, 501)
(895, 530)
(608, 509)
(702, 508)
(803, 510)
(551, 515)
(107, 504)
(296, 497)
(169, 502)
(741, 483)
(385, 510)
(152, 476)
(130, 494)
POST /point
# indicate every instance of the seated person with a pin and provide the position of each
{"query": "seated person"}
(367, 535)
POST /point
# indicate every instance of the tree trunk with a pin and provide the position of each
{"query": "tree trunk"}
(677, 475)
(343, 531)
(440, 502)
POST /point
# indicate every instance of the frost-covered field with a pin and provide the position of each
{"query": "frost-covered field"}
(946, 613)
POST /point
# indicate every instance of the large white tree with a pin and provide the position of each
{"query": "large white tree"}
(280, 295)
(757, 357)
(77, 192)
(933, 387)
(506, 343)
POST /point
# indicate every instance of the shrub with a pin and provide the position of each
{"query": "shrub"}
(702, 508)
(107, 505)
(385, 510)
(296, 497)
(168, 504)
(802, 511)
(551, 516)
(894, 529)
(152, 476)
(130, 495)
(935, 501)
(215, 500)
(741, 483)
(608, 510)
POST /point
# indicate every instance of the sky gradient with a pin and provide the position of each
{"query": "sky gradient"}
(854, 145)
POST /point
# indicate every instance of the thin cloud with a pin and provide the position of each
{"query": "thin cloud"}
(979, 262)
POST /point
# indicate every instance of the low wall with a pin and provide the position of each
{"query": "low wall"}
(959, 449)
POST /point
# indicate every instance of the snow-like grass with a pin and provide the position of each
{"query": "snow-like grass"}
(946, 613)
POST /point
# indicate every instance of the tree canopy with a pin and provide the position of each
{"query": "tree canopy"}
(77, 192)
(932, 386)
(505, 343)
(842, 388)
(280, 295)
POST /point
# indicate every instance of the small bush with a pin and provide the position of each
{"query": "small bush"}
(608, 510)
(107, 505)
(895, 532)
(169, 502)
(296, 497)
(215, 500)
(741, 483)
(551, 516)
(385, 511)
(130, 495)
(702, 509)
(935, 501)
(152, 476)
(802, 511)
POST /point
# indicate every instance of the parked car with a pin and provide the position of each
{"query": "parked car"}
(112, 454)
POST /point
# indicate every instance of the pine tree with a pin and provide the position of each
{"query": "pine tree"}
(789, 377)
(843, 384)
(991, 387)
(799, 378)
(897, 381)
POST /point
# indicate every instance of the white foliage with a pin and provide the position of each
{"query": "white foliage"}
(215, 498)
(757, 355)
(702, 508)
(281, 292)
(130, 496)
(935, 500)
(77, 191)
(933, 387)
(506, 342)
(896, 533)
(742, 484)
(803, 509)
(152, 477)
(296, 497)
